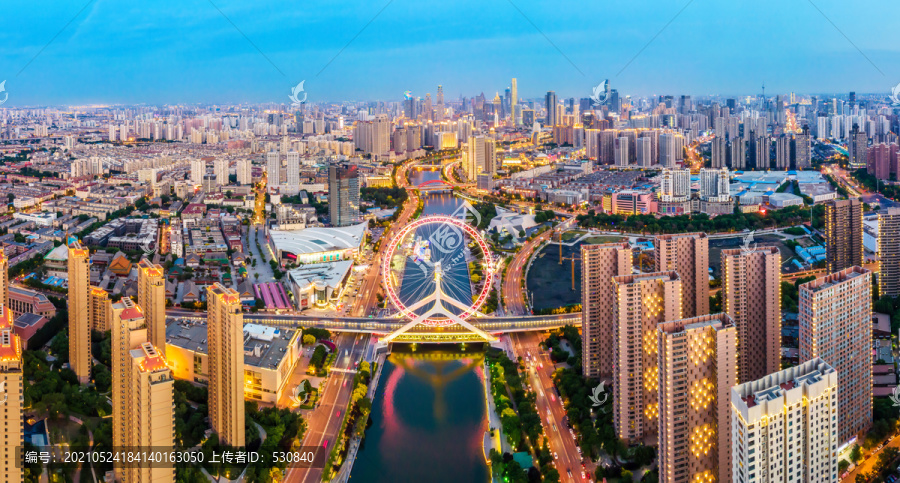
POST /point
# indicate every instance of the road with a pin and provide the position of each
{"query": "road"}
(324, 423)
(869, 463)
(513, 294)
(561, 441)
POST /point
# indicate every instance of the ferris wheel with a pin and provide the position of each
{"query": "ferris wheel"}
(427, 266)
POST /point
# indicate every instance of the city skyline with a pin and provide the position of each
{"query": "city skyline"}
(228, 53)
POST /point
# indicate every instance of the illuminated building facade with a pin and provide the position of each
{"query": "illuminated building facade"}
(152, 298)
(697, 368)
(11, 397)
(843, 234)
(128, 331)
(151, 414)
(99, 309)
(640, 303)
(600, 263)
(226, 364)
(836, 326)
(784, 426)
(79, 298)
(687, 254)
(751, 295)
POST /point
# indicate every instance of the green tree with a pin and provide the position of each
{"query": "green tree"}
(309, 339)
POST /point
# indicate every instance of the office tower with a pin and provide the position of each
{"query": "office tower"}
(479, 157)
(220, 169)
(292, 173)
(642, 153)
(802, 150)
(641, 302)
(675, 185)
(79, 272)
(98, 309)
(622, 151)
(889, 251)
(150, 413)
(343, 194)
(244, 172)
(550, 101)
(225, 327)
(513, 101)
(128, 331)
(152, 298)
(697, 368)
(719, 151)
(715, 184)
(783, 152)
(10, 397)
(600, 263)
(198, 170)
(667, 148)
(273, 168)
(843, 234)
(751, 295)
(783, 426)
(4, 279)
(687, 254)
(836, 326)
(856, 146)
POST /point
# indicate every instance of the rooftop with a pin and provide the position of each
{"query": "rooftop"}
(318, 239)
(264, 347)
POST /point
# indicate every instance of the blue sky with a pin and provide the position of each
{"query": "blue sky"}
(182, 52)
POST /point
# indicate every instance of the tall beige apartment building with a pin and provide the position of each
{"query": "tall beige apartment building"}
(11, 397)
(751, 295)
(152, 298)
(98, 308)
(784, 426)
(151, 415)
(836, 326)
(225, 327)
(687, 254)
(697, 368)
(889, 251)
(4, 279)
(641, 302)
(599, 264)
(79, 272)
(128, 331)
(843, 234)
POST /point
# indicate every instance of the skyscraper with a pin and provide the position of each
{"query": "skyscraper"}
(551, 102)
(782, 426)
(641, 303)
(128, 331)
(150, 412)
(10, 397)
(198, 170)
(343, 194)
(889, 251)
(715, 184)
(220, 169)
(513, 100)
(98, 309)
(479, 157)
(292, 173)
(600, 263)
(152, 299)
(667, 148)
(856, 147)
(836, 326)
(687, 254)
(843, 234)
(675, 185)
(697, 368)
(751, 295)
(244, 171)
(225, 328)
(79, 312)
(4, 279)
(273, 168)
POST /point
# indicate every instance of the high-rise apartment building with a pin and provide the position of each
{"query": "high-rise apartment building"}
(198, 170)
(152, 299)
(128, 331)
(784, 426)
(220, 169)
(687, 254)
(273, 168)
(675, 185)
(697, 368)
(4, 279)
(343, 194)
(836, 326)
(513, 101)
(667, 149)
(11, 399)
(843, 234)
(98, 309)
(79, 272)
(225, 327)
(479, 157)
(293, 170)
(715, 184)
(599, 264)
(374, 137)
(889, 251)
(150, 413)
(856, 147)
(751, 295)
(641, 303)
(244, 172)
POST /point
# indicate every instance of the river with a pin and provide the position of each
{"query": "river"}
(429, 416)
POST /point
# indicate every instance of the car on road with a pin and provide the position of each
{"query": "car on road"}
(555, 455)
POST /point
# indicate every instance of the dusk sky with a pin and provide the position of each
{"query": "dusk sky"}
(187, 51)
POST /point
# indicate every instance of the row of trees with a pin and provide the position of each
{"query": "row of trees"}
(792, 215)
